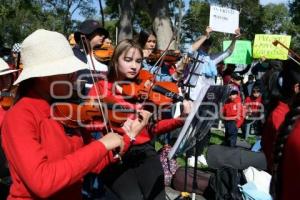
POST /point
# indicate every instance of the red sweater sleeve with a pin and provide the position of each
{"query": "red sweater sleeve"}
(166, 125)
(291, 164)
(30, 162)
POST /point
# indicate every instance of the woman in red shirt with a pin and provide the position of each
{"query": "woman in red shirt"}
(140, 176)
(285, 180)
(287, 85)
(286, 162)
(45, 159)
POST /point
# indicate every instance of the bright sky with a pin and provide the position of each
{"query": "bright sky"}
(263, 2)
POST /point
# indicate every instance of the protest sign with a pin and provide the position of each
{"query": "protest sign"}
(223, 19)
(242, 53)
(263, 46)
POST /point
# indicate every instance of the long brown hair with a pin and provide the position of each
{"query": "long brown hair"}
(123, 46)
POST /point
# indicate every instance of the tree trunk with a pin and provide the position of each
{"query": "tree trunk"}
(126, 9)
(162, 24)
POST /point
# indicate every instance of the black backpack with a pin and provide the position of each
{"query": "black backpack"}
(223, 184)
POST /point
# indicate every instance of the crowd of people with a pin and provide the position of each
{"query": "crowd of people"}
(106, 135)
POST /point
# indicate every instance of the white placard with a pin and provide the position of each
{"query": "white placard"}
(223, 19)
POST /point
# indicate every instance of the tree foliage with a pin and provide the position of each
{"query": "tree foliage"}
(276, 19)
(295, 11)
(295, 31)
(19, 18)
(254, 19)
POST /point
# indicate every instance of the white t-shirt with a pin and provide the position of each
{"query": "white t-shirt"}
(98, 65)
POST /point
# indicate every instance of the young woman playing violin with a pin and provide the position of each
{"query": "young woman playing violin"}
(45, 161)
(140, 176)
(147, 40)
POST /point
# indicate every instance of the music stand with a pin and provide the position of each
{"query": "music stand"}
(204, 112)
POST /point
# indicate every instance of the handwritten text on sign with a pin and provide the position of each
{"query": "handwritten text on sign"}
(242, 53)
(223, 19)
(263, 46)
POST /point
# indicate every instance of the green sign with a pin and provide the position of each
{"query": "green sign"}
(263, 46)
(242, 53)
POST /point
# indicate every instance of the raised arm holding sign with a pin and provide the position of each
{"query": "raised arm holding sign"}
(223, 19)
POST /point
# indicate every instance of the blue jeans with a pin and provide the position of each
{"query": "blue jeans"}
(231, 133)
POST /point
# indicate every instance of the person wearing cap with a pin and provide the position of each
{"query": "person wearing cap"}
(46, 159)
(232, 113)
(203, 70)
(237, 82)
(95, 34)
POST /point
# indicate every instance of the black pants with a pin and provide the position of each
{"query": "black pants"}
(139, 177)
(231, 133)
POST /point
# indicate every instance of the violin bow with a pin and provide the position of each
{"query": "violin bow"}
(87, 48)
(161, 58)
(276, 42)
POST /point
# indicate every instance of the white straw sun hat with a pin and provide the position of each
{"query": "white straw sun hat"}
(47, 53)
(4, 68)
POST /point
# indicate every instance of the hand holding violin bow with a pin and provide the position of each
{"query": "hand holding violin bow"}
(133, 127)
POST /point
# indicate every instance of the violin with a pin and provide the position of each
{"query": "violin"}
(103, 53)
(171, 56)
(159, 93)
(75, 115)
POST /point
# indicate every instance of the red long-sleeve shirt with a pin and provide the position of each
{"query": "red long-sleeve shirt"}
(233, 110)
(291, 165)
(44, 161)
(271, 127)
(2, 113)
(163, 126)
(253, 105)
